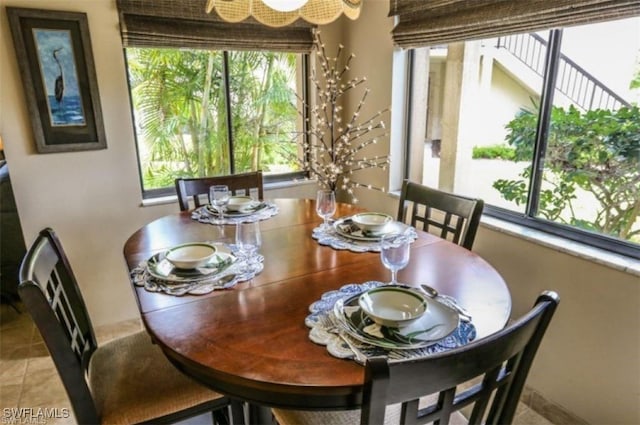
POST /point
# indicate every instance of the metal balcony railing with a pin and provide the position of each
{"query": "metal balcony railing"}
(585, 90)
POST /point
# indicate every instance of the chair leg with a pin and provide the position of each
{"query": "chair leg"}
(237, 413)
(221, 417)
(233, 414)
(260, 415)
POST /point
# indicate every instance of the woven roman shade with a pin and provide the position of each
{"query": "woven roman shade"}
(186, 24)
(435, 22)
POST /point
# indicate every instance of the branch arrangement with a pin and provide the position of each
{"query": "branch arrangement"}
(335, 149)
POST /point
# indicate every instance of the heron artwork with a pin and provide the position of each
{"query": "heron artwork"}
(59, 84)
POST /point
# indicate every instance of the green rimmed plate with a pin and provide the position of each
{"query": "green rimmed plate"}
(438, 322)
(254, 208)
(346, 228)
(160, 268)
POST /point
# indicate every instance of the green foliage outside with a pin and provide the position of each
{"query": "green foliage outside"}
(597, 151)
(180, 108)
(494, 152)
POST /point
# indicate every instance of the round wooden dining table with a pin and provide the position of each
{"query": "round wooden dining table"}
(250, 341)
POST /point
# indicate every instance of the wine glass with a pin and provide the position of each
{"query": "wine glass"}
(219, 196)
(394, 252)
(248, 241)
(325, 206)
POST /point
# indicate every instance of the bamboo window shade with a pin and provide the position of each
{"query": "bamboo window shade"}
(437, 22)
(186, 24)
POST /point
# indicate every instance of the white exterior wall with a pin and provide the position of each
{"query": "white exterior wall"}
(502, 105)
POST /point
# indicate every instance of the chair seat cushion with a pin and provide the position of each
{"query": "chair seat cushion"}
(132, 381)
(330, 417)
(352, 417)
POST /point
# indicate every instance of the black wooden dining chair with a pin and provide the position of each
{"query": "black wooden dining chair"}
(126, 380)
(453, 216)
(396, 392)
(195, 189)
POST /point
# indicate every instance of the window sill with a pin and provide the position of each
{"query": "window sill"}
(577, 249)
(159, 200)
(596, 255)
(172, 199)
(289, 183)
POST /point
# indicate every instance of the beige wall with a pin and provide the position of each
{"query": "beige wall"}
(91, 199)
(369, 39)
(588, 363)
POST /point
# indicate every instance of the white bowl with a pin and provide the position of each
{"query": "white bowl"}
(372, 222)
(190, 255)
(238, 203)
(393, 306)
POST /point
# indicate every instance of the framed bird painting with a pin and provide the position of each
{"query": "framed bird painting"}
(54, 55)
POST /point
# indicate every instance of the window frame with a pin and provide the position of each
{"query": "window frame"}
(528, 218)
(150, 194)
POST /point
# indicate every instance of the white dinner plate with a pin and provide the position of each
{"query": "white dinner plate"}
(346, 228)
(438, 322)
(160, 268)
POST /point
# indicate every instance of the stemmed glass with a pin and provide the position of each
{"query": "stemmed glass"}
(394, 252)
(326, 206)
(248, 241)
(219, 196)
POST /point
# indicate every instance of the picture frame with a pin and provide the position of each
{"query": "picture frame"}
(54, 54)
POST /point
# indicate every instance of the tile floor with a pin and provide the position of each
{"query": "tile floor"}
(28, 378)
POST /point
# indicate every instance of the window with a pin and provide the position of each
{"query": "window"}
(207, 112)
(544, 127)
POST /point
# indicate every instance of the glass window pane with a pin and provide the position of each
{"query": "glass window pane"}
(179, 102)
(481, 117)
(179, 111)
(591, 176)
(264, 113)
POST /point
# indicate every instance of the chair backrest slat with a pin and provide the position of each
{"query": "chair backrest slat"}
(50, 293)
(501, 360)
(450, 215)
(196, 190)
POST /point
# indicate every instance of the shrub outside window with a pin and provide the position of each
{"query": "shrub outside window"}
(547, 131)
